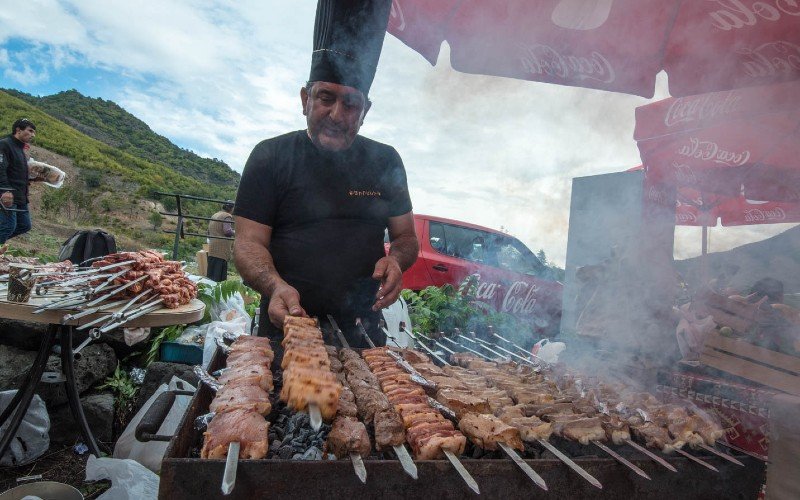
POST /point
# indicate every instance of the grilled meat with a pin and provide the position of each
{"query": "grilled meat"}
(248, 428)
(241, 397)
(485, 431)
(258, 375)
(347, 436)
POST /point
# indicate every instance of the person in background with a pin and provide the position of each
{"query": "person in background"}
(220, 249)
(313, 204)
(14, 180)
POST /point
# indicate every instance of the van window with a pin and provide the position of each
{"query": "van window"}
(513, 255)
(460, 242)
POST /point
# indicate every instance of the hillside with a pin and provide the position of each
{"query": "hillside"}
(777, 257)
(106, 188)
(107, 122)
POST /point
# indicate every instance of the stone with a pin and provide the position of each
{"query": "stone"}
(285, 453)
(14, 364)
(97, 361)
(99, 411)
(160, 372)
(24, 335)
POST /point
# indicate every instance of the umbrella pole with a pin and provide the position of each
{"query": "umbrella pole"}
(704, 256)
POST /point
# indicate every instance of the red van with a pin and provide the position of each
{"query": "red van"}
(510, 276)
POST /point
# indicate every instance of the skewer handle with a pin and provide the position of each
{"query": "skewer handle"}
(650, 454)
(572, 465)
(358, 467)
(696, 460)
(314, 416)
(464, 473)
(718, 453)
(536, 478)
(619, 458)
(231, 464)
(405, 460)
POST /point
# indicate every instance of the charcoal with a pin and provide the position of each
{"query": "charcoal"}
(297, 456)
(312, 453)
(286, 441)
(285, 453)
(274, 445)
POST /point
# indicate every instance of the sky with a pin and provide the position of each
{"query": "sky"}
(217, 77)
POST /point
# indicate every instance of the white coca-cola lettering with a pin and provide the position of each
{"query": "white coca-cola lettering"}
(736, 14)
(396, 17)
(684, 174)
(485, 290)
(683, 217)
(695, 108)
(758, 215)
(520, 298)
(656, 196)
(710, 151)
(770, 59)
(541, 59)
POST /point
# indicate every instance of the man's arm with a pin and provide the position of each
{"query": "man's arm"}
(254, 263)
(403, 251)
(7, 197)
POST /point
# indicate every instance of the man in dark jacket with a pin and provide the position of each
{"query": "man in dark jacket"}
(14, 180)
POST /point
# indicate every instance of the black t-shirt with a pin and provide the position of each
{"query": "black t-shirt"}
(328, 212)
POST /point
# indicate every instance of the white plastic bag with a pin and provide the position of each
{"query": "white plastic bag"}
(548, 351)
(135, 335)
(151, 454)
(33, 438)
(48, 174)
(130, 480)
(216, 329)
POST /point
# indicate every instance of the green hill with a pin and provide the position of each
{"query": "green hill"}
(107, 122)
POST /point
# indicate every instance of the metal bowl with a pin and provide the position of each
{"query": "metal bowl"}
(46, 490)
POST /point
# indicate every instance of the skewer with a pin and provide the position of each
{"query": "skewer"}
(464, 473)
(338, 332)
(572, 465)
(364, 333)
(432, 353)
(116, 290)
(109, 280)
(314, 416)
(743, 451)
(616, 456)
(438, 344)
(405, 460)
(358, 466)
(231, 464)
(536, 478)
(696, 460)
(485, 346)
(513, 354)
(141, 311)
(527, 353)
(720, 454)
(206, 378)
(473, 351)
(93, 310)
(650, 454)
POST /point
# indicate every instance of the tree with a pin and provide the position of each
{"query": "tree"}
(156, 219)
(541, 256)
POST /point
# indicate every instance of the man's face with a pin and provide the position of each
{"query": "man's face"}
(26, 134)
(334, 113)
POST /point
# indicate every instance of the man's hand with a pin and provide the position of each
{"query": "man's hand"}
(7, 199)
(285, 300)
(388, 271)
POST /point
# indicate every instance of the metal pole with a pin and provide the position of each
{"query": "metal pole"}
(178, 229)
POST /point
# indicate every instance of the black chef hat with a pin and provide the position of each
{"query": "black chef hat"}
(348, 36)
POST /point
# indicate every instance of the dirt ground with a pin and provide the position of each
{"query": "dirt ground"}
(58, 464)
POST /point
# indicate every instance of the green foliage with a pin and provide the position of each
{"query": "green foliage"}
(156, 219)
(92, 178)
(443, 309)
(123, 387)
(166, 334)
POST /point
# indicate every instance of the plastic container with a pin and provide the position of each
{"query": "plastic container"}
(49, 490)
(175, 352)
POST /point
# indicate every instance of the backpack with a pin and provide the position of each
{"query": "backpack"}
(87, 244)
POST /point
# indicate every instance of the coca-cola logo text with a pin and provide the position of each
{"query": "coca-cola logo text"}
(520, 298)
(396, 18)
(696, 108)
(710, 151)
(758, 215)
(770, 59)
(684, 174)
(684, 217)
(539, 59)
(736, 14)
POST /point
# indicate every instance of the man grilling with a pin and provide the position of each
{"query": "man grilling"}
(313, 204)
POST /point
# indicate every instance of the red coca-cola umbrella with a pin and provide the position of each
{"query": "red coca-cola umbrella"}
(617, 45)
(730, 156)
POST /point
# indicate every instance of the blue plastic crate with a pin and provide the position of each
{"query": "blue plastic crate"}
(175, 352)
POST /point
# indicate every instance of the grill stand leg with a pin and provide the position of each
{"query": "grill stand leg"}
(67, 368)
(22, 399)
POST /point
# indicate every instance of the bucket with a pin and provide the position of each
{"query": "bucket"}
(47, 490)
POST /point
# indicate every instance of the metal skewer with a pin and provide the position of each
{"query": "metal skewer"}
(363, 331)
(338, 332)
(481, 344)
(231, 464)
(572, 465)
(93, 310)
(464, 473)
(720, 454)
(696, 460)
(438, 344)
(619, 458)
(650, 454)
(468, 349)
(743, 451)
(358, 466)
(536, 478)
(314, 416)
(528, 361)
(405, 460)
(432, 353)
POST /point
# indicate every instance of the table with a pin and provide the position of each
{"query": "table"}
(188, 313)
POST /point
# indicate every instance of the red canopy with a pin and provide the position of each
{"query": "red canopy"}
(733, 155)
(618, 45)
